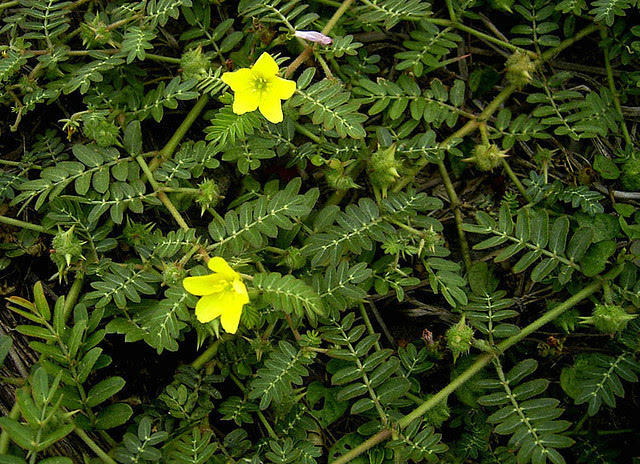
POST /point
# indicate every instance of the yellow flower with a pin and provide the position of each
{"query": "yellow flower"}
(223, 294)
(259, 87)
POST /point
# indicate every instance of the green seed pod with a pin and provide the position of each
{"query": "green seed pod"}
(336, 177)
(195, 64)
(630, 178)
(173, 274)
(487, 157)
(209, 195)
(383, 168)
(520, 69)
(459, 338)
(431, 239)
(568, 320)
(105, 133)
(135, 233)
(437, 415)
(95, 32)
(609, 319)
(293, 259)
(67, 250)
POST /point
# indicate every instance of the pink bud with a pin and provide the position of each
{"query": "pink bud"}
(314, 36)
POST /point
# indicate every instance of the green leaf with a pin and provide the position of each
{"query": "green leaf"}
(57, 434)
(346, 375)
(6, 459)
(40, 301)
(606, 167)
(351, 391)
(558, 235)
(595, 260)
(104, 390)
(393, 389)
(579, 243)
(88, 155)
(86, 364)
(20, 433)
(527, 260)
(113, 415)
(132, 139)
(332, 409)
(36, 331)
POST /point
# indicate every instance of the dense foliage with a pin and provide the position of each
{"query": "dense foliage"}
(439, 241)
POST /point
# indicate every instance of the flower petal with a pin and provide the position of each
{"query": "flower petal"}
(246, 101)
(271, 108)
(204, 285)
(266, 67)
(230, 318)
(282, 88)
(240, 80)
(220, 265)
(241, 290)
(211, 306)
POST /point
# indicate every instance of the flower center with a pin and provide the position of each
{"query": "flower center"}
(260, 84)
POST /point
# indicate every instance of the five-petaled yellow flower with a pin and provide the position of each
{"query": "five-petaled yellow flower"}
(223, 294)
(260, 87)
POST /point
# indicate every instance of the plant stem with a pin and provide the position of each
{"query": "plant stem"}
(72, 296)
(186, 190)
(457, 214)
(328, 2)
(5, 5)
(179, 134)
(147, 171)
(467, 129)
(94, 447)
(480, 363)
(162, 196)
(484, 359)
(379, 437)
(367, 323)
(612, 87)
(261, 416)
(24, 225)
(18, 381)
(482, 35)
(304, 131)
(173, 210)
(165, 59)
(492, 107)
(19, 164)
(546, 56)
(514, 178)
(207, 354)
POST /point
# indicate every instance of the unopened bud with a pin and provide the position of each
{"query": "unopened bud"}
(314, 36)
(487, 157)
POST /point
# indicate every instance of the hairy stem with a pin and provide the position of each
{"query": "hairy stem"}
(24, 225)
(515, 180)
(614, 92)
(72, 296)
(455, 205)
(104, 457)
(481, 35)
(179, 134)
(367, 323)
